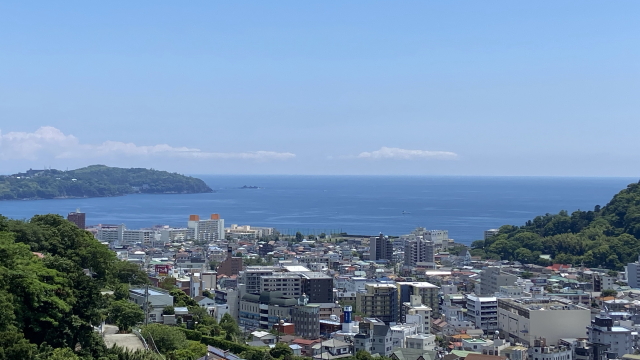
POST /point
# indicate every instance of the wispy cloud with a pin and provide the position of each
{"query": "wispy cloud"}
(53, 142)
(406, 154)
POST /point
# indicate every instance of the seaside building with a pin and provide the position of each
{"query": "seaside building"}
(208, 229)
(168, 234)
(78, 218)
(247, 231)
(440, 238)
(490, 233)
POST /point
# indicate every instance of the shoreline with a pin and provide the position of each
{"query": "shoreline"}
(107, 196)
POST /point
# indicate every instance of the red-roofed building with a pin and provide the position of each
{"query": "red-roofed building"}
(559, 267)
(307, 345)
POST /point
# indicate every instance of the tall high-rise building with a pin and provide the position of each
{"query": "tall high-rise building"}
(379, 301)
(207, 230)
(380, 248)
(419, 252)
(78, 218)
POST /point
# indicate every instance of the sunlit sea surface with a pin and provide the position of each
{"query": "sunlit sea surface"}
(366, 205)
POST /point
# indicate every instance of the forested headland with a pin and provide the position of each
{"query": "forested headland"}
(603, 237)
(96, 181)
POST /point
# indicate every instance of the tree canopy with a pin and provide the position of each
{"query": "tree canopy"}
(51, 274)
(602, 237)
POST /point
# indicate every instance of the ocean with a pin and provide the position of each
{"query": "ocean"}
(365, 205)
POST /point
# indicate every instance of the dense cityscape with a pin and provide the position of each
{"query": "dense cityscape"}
(319, 180)
(413, 296)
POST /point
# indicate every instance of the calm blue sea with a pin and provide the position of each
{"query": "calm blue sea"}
(355, 204)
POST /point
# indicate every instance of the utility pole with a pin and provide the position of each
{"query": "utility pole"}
(146, 305)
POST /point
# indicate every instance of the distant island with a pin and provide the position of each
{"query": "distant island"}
(250, 187)
(96, 181)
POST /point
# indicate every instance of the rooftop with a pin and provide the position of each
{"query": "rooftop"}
(152, 292)
(299, 268)
(422, 284)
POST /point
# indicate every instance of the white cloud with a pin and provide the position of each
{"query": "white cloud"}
(50, 141)
(397, 153)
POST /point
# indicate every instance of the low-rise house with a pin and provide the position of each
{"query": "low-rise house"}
(331, 349)
(413, 354)
(263, 336)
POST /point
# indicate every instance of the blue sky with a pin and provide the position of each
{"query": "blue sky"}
(547, 88)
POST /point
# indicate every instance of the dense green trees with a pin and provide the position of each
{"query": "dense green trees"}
(181, 299)
(172, 342)
(96, 181)
(603, 237)
(281, 350)
(125, 314)
(51, 274)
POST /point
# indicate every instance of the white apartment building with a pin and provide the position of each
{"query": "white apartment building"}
(490, 233)
(110, 233)
(248, 231)
(603, 330)
(438, 237)
(400, 332)
(168, 234)
(208, 229)
(526, 319)
(120, 235)
(417, 313)
(144, 237)
(483, 312)
(421, 341)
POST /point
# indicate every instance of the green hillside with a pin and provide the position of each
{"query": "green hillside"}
(606, 237)
(96, 181)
